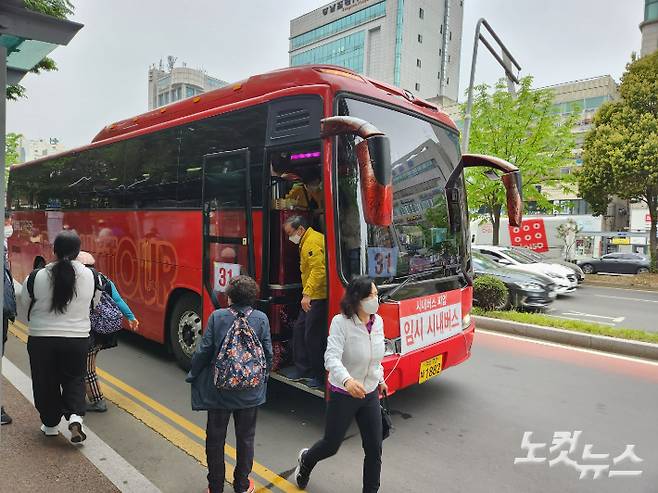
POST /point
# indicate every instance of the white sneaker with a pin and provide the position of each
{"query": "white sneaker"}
(49, 431)
(75, 427)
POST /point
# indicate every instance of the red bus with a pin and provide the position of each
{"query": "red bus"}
(176, 201)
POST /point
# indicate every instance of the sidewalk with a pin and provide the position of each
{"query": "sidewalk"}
(33, 462)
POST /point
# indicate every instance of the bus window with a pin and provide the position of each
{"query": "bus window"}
(100, 177)
(243, 129)
(423, 156)
(151, 170)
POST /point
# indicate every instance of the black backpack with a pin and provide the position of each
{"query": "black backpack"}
(100, 284)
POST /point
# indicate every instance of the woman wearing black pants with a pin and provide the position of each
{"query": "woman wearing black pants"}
(58, 300)
(242, 404)
(356, 377)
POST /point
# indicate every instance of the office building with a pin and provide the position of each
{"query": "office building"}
(649, 27)
(170, 84)
(412, 44)
(31, 149)
(582, 98)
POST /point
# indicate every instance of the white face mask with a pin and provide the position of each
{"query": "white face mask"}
(295, 238)
(370, 305)
(9, 230)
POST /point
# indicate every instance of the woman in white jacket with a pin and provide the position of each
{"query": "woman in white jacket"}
(355, 349)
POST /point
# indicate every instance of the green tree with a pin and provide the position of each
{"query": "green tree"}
(11, 151)
(524, 130)
(54, 8)
(620, 156)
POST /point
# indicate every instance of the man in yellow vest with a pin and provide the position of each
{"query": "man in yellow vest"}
(310, 331)
(308, 195)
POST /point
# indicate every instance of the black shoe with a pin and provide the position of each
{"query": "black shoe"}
(293, 374)
(5, 419)
(302, 472)
(316, 383)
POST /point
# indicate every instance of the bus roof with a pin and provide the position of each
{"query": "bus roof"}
(258, 86)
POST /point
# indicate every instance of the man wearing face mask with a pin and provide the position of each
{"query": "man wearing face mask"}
(9, 305)
(310, 331)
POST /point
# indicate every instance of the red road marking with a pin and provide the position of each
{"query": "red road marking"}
(564, 354)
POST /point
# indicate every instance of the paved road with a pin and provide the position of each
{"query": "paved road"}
(459, 432)
(609, 306)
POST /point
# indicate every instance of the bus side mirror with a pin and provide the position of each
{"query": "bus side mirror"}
(511, 179)
(374, 156)
(513, 186)
(374, 160)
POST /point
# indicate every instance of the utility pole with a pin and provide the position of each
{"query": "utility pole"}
(506, 61)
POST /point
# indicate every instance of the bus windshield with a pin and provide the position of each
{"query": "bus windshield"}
(421, 237)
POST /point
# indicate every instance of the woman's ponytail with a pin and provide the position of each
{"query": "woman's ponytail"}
(66, 248)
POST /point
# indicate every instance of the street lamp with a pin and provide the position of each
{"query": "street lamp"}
(505, 61)
(26, 37)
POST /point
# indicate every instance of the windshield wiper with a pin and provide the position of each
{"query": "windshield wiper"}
(411, 277)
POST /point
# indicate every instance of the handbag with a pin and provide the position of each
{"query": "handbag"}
(387, 423)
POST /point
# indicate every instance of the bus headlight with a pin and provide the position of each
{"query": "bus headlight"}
(466, 321)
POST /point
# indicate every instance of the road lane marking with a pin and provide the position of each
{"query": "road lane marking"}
(571, 348)
(625, 298)
(19, 330)
(591, 315)
(114, 467)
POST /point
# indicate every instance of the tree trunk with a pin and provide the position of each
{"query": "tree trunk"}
(653, 202)
(496, 225)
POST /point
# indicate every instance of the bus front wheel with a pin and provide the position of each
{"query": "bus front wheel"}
(185, 328)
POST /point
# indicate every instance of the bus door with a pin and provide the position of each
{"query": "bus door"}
(227, 224)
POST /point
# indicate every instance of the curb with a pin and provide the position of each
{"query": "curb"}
(561, 336)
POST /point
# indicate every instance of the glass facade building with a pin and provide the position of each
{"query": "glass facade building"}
(405, 43)
(347, 52)
(340, 25)
(650, 10)
(398, 42)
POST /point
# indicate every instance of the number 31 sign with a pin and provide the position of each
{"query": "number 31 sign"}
(223, 274)
(382, 262)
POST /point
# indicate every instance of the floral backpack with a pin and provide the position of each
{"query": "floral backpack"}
(106, 318)
(240, 362)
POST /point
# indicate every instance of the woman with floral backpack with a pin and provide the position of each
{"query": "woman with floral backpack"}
(229, 377)
(99, 341)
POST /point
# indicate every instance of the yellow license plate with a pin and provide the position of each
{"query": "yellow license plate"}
(430, 368)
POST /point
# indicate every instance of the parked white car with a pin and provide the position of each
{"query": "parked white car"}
(564, 278)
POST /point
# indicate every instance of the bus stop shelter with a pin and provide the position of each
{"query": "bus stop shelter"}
(26, 37)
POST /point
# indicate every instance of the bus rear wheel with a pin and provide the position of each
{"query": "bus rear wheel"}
(185, 328)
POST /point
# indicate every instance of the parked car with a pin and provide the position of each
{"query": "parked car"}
(564, 278)
(525, 289)
(616, 263)
(538, 257)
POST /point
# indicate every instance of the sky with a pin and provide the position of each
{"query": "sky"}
(102, 73)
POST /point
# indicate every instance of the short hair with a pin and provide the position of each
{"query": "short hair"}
(358, 289)
(311, 174)
(242, 290)
(296, 221)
